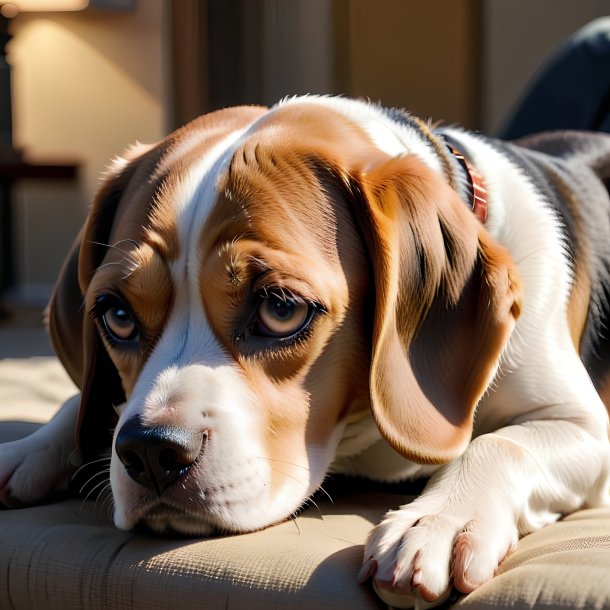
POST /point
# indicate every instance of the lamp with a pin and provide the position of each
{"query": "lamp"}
(15, 165)
(13, 7)
(6, 116)
(12, 164)
(8, 10)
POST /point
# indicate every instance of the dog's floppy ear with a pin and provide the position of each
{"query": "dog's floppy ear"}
(446, 297)
(73, 332)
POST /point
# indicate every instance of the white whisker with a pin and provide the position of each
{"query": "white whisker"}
(103, 482)
(109, 498)
(98, 461)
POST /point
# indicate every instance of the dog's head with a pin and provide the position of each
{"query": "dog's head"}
(254, 283)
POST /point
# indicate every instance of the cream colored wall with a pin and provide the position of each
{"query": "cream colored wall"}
(85, 86)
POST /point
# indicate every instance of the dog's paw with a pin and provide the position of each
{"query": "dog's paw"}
(416, 554)
(30, 470)
(33, 467)
(23, 477)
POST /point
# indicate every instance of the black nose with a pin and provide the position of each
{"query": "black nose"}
(158, 456)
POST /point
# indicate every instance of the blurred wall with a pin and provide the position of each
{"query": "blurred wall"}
(460, 61)
(422, 56)
(85, 86)
(88, 84)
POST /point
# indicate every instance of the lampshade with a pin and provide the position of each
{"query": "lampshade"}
(13, 7)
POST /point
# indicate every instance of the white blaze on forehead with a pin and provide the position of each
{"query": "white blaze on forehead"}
(195, 202)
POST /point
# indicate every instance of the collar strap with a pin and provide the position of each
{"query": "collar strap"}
(477, 192)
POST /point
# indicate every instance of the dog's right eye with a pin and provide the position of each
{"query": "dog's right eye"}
(279, 317)
(118, 323)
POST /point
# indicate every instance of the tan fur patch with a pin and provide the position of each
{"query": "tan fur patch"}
(135, 274)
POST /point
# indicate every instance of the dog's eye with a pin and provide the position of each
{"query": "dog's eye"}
(281, 317)
(118, 322)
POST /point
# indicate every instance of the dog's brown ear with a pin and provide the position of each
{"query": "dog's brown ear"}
(65, 316)
(446, 298)
(73, 333)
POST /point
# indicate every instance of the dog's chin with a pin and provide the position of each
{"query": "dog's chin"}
(230, 506)
(167, 521)
(161, 519)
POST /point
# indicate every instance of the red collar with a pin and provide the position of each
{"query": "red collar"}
(476, 184)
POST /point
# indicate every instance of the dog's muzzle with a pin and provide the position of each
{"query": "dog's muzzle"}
(158, 456)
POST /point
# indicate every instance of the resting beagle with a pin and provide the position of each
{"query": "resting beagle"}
(270, 295)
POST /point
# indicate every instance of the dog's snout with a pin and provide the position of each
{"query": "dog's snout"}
(157, 456)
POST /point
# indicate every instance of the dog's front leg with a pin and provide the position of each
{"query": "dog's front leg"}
(33, 467)
(471, 514)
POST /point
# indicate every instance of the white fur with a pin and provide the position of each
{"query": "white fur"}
(33, 467)
(388, 136)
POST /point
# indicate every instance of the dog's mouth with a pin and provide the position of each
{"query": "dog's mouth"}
(173, 522)
(168, 516)
(210, 514)
(169, 520)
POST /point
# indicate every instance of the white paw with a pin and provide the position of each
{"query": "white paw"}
(30, 469)
(416, 554)
(28, 472)
(34, 466)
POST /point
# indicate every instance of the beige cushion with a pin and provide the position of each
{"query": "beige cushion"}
(67, 555)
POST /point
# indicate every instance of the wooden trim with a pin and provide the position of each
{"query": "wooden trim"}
(189, 60)
(342, 46)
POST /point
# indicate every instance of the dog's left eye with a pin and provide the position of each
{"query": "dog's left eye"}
(118, 322)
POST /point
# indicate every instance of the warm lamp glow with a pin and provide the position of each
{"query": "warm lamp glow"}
(12, 8)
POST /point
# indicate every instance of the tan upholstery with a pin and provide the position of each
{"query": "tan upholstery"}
(67, 555)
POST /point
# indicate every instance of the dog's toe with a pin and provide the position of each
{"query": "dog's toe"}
(477, 553)
(417, 559)
(411, 554)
